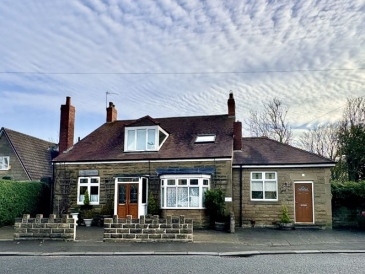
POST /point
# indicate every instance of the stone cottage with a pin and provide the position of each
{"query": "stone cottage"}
(178, 158)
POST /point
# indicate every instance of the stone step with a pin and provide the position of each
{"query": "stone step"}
(309, 227)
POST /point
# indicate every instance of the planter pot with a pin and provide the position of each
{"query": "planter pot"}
(220, 226)
(88, 222)
(286, 226)
(75, 216)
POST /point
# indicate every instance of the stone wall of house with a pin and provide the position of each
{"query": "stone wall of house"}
(267, 213)
(198, 215)
(40, 228)
(16, 171)
(148, 229)
(66, 176)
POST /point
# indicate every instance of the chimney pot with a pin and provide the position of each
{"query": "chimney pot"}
(111, 113)
(231, 106)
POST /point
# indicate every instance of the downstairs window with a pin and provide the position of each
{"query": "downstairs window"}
(92, 185)
(264, 186)
(183, 191)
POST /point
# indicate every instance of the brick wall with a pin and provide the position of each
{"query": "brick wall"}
(40, 228)
(148, 229)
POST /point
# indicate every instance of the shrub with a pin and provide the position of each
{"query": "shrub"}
(348, 194)
(86, 198)
(153, 208)
(285, 219)
(18, 198)
(215, 205)
(88, 214)
(107, 209)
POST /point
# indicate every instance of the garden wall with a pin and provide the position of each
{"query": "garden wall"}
(148, 229)
(40, 228)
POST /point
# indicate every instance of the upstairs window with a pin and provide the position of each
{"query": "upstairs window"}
(144, 138)
(4, 162)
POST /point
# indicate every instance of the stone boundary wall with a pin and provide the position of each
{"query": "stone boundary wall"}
(346, 217)
(39, 228)
(148, 229)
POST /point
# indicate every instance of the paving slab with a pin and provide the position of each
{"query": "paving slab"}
(89, 242)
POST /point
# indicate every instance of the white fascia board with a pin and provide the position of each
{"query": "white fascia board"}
(144, 161)
(283, 166)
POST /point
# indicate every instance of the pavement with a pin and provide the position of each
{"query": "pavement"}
(244, 242)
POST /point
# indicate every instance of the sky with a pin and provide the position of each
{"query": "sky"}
(168, 58)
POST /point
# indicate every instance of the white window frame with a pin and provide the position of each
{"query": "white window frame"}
(264, 181)
(4, 162)
(157, 145)
(203, 184)
(88, 185)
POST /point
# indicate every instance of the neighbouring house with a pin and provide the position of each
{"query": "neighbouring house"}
(178, 158)
(25, 158)
(268, 174)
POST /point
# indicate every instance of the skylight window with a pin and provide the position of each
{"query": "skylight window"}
(208, 138)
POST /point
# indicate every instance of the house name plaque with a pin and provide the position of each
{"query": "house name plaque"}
(90, 172)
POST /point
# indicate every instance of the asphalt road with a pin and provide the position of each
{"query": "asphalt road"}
(302, 263)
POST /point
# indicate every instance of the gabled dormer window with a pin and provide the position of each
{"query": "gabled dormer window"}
(148, 138)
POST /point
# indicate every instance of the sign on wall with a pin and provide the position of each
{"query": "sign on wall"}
(90, 172)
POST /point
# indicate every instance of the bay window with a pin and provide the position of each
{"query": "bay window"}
(183, 191)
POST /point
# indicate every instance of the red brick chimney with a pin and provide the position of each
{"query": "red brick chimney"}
(231, 106)
(67, 126)
(237, 136)
(111, 113)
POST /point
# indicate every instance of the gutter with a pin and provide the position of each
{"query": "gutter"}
(241, 196)
(283, 166)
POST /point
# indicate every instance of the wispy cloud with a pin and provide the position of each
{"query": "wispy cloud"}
(287, 50)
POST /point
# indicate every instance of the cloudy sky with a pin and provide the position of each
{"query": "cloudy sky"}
(177, 58)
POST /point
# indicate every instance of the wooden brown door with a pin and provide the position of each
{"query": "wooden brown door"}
(127, 200)
(303, 203)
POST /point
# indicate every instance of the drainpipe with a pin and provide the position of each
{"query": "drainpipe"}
(241, 195)
(51, 191)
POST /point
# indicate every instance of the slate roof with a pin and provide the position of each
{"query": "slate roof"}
(265, 151)
(107, 142)
(34, 153)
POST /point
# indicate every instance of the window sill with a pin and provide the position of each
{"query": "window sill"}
(264, 201)
(185, 208)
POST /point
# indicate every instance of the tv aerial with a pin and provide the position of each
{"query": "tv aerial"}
(106, 97)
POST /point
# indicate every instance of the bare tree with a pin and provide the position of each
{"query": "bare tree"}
(322, 140)
(271, 122)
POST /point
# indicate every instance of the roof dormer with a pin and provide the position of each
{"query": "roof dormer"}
(142, 136)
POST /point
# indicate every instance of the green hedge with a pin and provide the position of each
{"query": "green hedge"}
(18, 198)
(348, 194)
